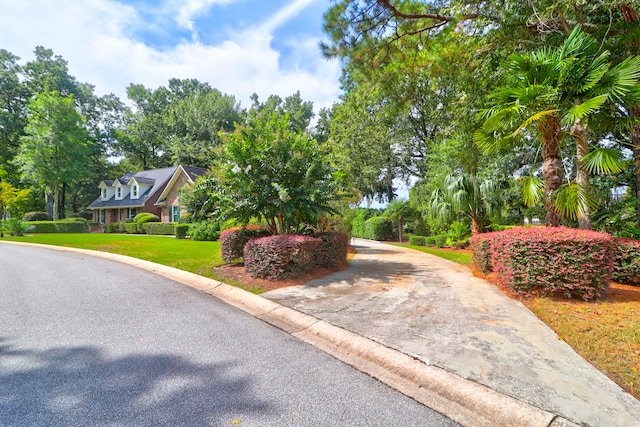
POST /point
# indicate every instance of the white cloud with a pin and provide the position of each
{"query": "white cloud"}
(187, 10)
(95, 37)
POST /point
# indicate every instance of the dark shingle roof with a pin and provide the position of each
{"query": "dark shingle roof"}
(157, 177)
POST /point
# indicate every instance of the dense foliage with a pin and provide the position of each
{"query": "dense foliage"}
(232, 241)
(275, 257)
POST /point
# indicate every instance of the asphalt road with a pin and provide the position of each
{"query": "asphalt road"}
(86, 341)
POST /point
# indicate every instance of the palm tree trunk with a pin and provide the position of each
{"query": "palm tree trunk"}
(552, 169)
(630, 15)
(580, 134)
(635, 146)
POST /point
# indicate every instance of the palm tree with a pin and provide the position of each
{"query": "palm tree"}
(552, 88)
(462, 195)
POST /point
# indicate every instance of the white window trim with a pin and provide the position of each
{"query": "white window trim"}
(119, 193)
(135, 191)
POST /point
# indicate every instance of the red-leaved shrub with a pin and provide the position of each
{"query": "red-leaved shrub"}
(275, 257)
(232, 241)
(481, 248)
(554, 261)
(333, 250)
(626, 267)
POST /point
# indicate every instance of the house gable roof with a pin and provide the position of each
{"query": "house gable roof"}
(191, 173)
(155, 177)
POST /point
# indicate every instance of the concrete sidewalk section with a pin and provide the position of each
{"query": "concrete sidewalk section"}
(436, 311)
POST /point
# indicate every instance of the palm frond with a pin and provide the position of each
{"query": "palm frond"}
(603, 161)
(532, 190)
(535, 117)
(574, 201)
(581, 111)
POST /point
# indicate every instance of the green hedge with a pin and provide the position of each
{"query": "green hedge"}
(204, 231)
(440, 240)
(379, 228)
(181, 230)
(56, 226)
(160, 228)
(418, 240)
(131, 228)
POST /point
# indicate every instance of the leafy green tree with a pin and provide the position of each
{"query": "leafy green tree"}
(12, 200)
(195, 123)
(300, 112)
(55, 148)
(269, 172)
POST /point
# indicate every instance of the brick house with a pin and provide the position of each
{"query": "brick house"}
(154, 191)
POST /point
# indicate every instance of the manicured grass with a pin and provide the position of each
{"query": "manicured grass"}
(459, 257)
(195, 257)
(606, 333)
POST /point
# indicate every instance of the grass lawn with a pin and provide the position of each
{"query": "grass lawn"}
(459, 256)
(195, 257)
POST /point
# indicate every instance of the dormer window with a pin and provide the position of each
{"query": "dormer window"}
(134, 191)
(104, 194)
(119, 193)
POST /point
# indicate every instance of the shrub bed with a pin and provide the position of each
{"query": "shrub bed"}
(418, 240)
(181, 230)
(554, 261)
(430, 240)
(131, 228)
(232, 241)
(56, 226)
(36, 216)
(626, 266)
(204, 230)
(379, 228)
(274, 257)
(143, 218)
(160, 228)
(440, 240)
(481, 249)
(333, 249)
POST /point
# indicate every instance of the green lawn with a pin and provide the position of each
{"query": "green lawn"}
(463, 258)
(195, 257)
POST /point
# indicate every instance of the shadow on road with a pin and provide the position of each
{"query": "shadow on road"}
(82, 386)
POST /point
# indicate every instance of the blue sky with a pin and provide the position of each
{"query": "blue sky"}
(238, 46)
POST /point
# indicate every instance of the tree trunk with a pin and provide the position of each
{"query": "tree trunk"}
(630, 15)
(580, 134)
(552, 169)
(48, 201)
(400, 228)
(56, 202)
(475, 226)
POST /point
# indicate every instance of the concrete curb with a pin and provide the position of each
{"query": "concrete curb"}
(466, 402)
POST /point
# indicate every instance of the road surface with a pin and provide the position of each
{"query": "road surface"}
(87, 341)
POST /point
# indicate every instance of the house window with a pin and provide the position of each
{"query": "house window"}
(104, 194)
(174, 213)
(131, 212)
(119, 193)
(134, 192)
(101, 216)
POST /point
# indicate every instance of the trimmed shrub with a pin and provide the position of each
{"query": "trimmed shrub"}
(500, 227)
(204, 230)
(440, 240)
(333, 249)
(112, 227)
(430, 240)
(274, 257)
(57, 226)
(379, 228)
(143, 218)
(553, 261)
(160, 228)
(357, 225)
(481, 249)
(232, 241)
(36, 216)
(418, 240)
(131, 228)
(626, 264)
(74, 219)
(181, 230)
